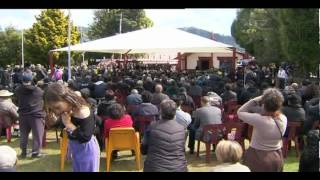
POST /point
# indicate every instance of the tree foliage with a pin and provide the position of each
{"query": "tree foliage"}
(50, 31)
(10, 46)
(275, 35)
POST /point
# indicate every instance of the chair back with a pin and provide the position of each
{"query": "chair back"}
(239, 126)
(214, 132)
(122, 138)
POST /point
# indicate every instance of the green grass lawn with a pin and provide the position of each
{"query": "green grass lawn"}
(126, 162)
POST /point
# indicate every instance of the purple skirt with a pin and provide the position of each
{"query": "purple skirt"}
(85, 156)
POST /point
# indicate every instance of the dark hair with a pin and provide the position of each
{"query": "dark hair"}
(116, 111)
(294, 99)
(228, 87)
(109, 95)
(168, 109)
(272, 100)
(177, 99)
(59, 92)
(146, 96)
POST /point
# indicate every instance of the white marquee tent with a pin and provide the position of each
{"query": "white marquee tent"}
(152, 40)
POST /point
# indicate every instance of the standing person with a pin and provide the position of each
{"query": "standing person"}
(80, 124)
(309, 160)
(282, 76)
(269, 125)
(31, 115)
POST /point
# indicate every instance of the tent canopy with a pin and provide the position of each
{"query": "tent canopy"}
(151, 40)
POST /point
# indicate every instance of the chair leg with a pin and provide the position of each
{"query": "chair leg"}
(297, 147)
(208, 145)
(62, 155)
(8, 134)
(198, 148)
(138, 156)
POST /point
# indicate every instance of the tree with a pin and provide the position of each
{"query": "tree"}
(10, 46)
(50, 31)
(106, 23)
(276, 35)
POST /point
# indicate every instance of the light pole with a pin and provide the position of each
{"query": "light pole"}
(22, 51)
(69, 53)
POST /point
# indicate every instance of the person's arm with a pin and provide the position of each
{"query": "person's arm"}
(244, 112)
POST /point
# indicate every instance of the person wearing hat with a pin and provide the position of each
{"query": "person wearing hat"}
(8, 159)
(31, 113)
(8, 110)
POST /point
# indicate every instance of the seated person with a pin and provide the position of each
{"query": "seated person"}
(207, 114)
(228, 94)
(164, 142)
(8, 159)
(229, 154)
(146, 108)
(182, 117)
(8, 110)
(158, 96)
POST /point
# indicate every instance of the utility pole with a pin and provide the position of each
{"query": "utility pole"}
(22, 51)
(69, 53)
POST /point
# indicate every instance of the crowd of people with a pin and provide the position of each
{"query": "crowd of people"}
(96, 100)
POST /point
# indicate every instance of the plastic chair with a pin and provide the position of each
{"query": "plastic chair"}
(214, 129)
(293, 135)
(240, 129)
(63, 149)
(122, 139)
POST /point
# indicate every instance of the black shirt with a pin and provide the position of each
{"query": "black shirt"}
(85, 128)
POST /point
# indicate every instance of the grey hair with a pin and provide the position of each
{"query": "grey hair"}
(272, 100)
(134, 91)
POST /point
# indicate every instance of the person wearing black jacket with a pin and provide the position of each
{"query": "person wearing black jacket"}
(31, 115)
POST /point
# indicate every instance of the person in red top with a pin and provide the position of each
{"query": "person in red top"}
(117, 118)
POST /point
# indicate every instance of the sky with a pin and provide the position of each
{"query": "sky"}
(213, 20)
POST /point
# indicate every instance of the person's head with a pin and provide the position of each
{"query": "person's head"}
(295, 86)
(158, 88)
(116, 111)
(228, 151)
(134, 91)
(272, 100)
(228, 87)
(109, 95)
(294, 100)
(27, 77)
(5, 94)
(168, 109)
(205, 100)
(58, 98)
(85, 93)
(8, 159)
(146, 96)
(312, 91)
(178, 100)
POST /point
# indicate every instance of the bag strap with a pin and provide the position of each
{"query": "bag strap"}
(281, 134)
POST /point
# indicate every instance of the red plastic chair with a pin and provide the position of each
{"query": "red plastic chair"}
(8, 129)
(143, 121)
(293, 135)
(214, 129)
(240, 131)
(197, 101)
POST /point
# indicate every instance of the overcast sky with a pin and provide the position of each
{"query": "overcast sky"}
(216, 20)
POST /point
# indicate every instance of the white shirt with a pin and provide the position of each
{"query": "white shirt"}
(282, 74)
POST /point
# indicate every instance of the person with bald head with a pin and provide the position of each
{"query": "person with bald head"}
(158, 96)
(205, 115)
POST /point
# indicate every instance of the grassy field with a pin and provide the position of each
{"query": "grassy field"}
(125, 163)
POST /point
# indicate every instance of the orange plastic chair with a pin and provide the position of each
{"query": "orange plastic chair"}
(122, 139)
(63, 148)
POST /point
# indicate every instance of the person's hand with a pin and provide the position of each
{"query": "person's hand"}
(66, 118)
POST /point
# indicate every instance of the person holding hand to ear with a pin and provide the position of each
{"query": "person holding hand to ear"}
(79, 122)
